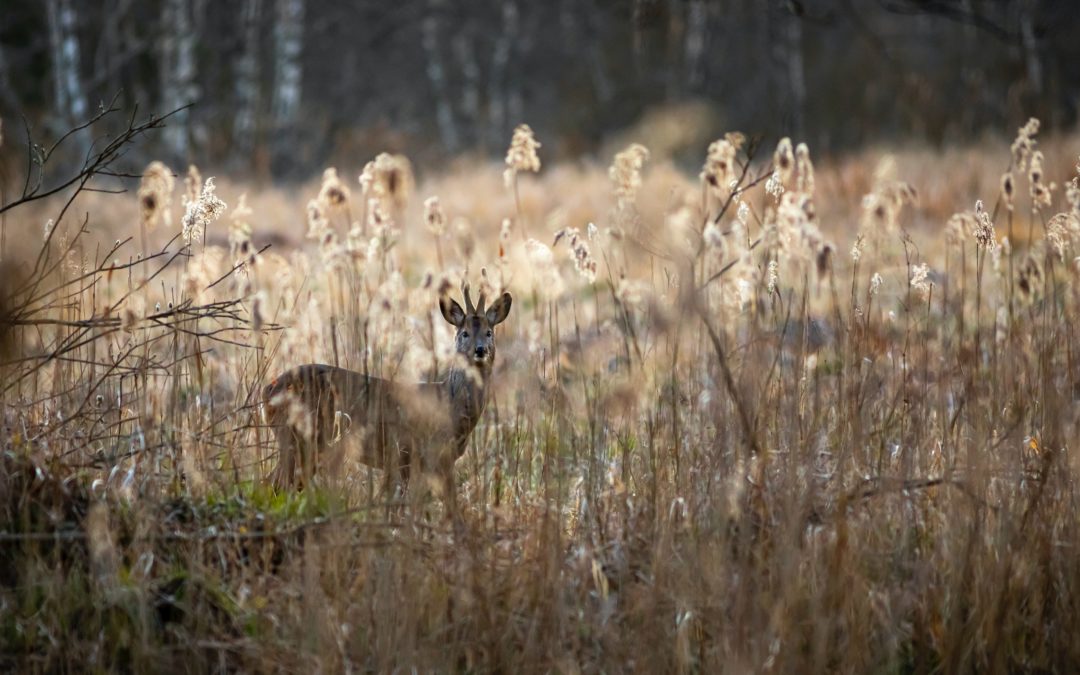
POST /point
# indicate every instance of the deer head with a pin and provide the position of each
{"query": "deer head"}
(475, 325)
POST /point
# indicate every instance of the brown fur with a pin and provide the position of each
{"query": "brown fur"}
(316, 409)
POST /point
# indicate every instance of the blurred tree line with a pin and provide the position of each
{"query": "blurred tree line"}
(281, 87)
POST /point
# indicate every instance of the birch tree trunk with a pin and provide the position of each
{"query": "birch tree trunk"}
(247, 84)
(69, 99)
(178, 39)
(288, 73)
(444, 111)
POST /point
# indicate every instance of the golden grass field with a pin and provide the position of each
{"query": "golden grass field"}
(762, 419)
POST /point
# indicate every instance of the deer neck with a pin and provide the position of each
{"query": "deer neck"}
(467, 393)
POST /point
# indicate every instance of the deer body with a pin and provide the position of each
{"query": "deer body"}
(316, 409)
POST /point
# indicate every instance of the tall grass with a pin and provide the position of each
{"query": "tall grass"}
(727, 433)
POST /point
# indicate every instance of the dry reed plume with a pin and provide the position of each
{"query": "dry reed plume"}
(712, 443)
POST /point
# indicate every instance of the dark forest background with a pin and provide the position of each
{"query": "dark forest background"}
(279, 88)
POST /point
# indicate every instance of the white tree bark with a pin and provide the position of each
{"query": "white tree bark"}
(178, 74)
(247, 82)
(288, 71)
(70, 101)
(444, 111)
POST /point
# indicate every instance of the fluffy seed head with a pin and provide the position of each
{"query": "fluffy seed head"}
(625, 173)
(783, 162)
(192, 184)
(875, 284)
(202, 211)
(774, 186)
(388, 178)
(585, 264)
(719, 169)
(984, 228)
(155, 195)
(240, 247)
(805, 168)
(521, 155)
(1024, 144)
(1029, 278)
(1008, 189)
(1040, 191)
(856, 249)
(318, 224)
(434, 217)
(920, 280)
(333, 192)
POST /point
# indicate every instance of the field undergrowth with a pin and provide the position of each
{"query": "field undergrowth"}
(758, 419)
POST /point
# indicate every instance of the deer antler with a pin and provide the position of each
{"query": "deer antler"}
(483, 290)
(469, 309)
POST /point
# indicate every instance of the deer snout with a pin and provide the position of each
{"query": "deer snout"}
(481, 352)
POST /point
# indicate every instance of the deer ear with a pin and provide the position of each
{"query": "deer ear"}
(499, 309)
(452, 311)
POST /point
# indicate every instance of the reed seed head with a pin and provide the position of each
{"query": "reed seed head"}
(155, 195)
(783, 163)
(202, 211)
(718, 171)
(1024, 144)
(434, 217)
(984, 228)
(333, 193)
(521, 155)
(920, 280)
(625, 173)
(1008, 189)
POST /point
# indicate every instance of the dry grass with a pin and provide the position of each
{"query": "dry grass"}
(735, 449)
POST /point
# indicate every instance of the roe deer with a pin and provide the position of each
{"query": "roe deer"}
(314, 406)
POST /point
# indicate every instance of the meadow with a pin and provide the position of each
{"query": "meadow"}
(752, 417)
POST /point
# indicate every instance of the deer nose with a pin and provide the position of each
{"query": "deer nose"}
(481, 352)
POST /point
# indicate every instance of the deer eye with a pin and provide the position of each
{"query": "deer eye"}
(489, 334)
(464, 333)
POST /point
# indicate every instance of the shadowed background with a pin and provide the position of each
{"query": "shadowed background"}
(282, 88)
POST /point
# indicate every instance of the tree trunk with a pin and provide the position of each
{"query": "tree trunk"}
(697, 19)
(444, 110)
(1032, 62)
(796, 73)
(178, 37)
(788, 77)
(69, 100)
(601, 79)
(288, 74)
(498, 93)
(9, 99)
(470, 90)
(247, 84)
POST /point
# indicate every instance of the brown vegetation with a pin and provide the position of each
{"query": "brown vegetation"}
(761, 419)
